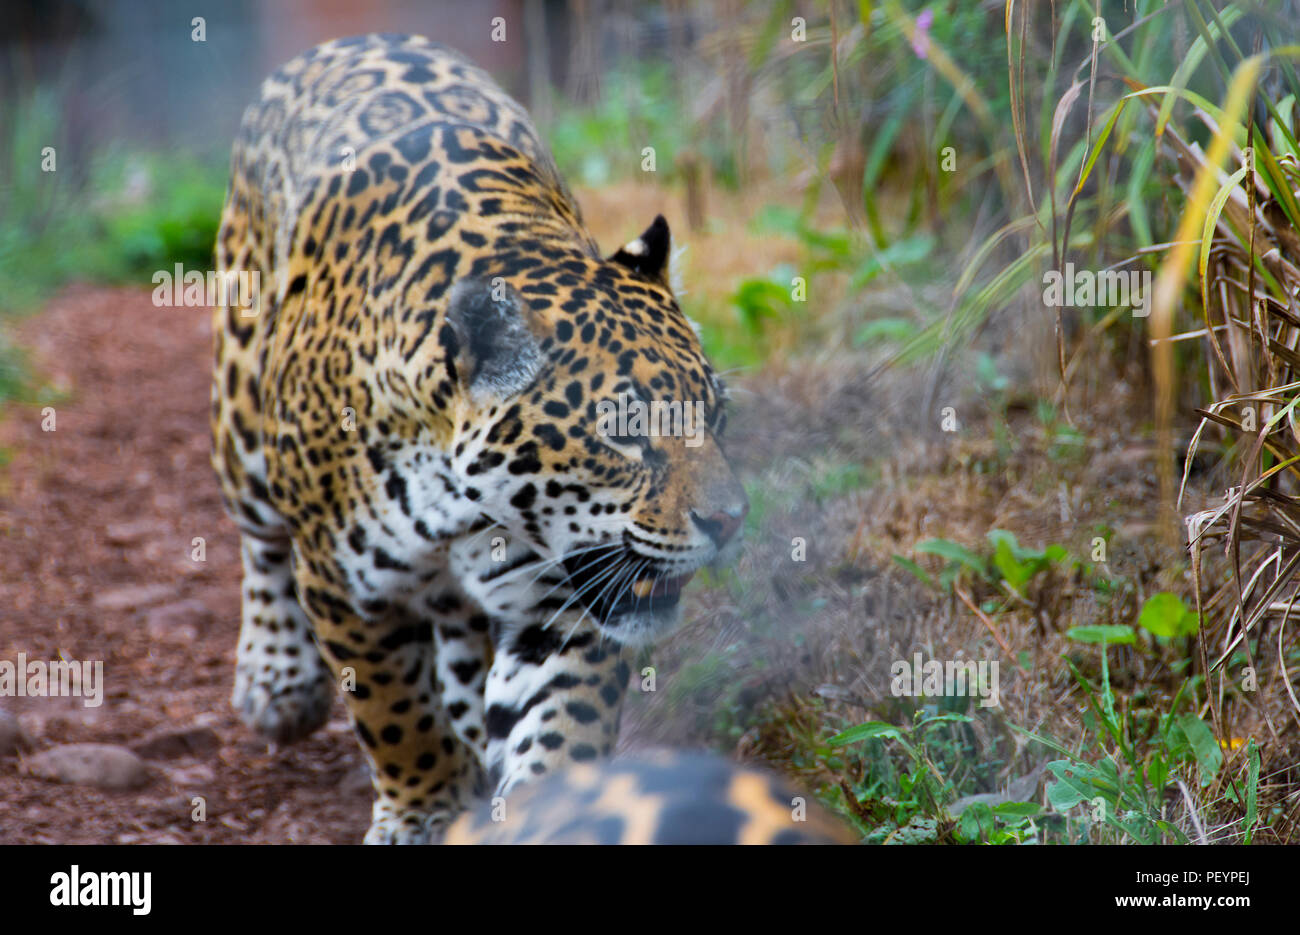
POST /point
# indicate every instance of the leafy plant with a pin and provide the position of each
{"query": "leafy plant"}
(601, 141)
(173, 218)
(905, 800)
(1017, 564)
(760, 299)
(1165, 615)
(122, 219)
(1125, 789)
(1114, 634)
(1010, 564)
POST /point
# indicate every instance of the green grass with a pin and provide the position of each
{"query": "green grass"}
(637, 108)
(175, 221)
(127, 216)
(1120, 791)
(910, 775)
(42, 230)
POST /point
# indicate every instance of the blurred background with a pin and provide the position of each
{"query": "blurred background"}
(866, 198)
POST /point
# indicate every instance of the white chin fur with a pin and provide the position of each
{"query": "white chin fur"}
(642, 628)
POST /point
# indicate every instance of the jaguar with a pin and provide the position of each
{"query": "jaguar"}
(434, 520)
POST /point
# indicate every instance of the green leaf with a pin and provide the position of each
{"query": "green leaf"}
(1070, 790)
(1098, 145)
(1191, 60)
(1211, 223)
(1204, 747)
(1004, 537)
(885, 329)
(921, 574)
(1137, 197)
(1048, 742)
(1103, 633)
(976, 821)
(1165, 614)
(917, 831)
(901, 253)
(757, 299)
(1017, 810)
(867, 731)
(1017, 574)
(945, 548)
(945, 718)
(1252, 789)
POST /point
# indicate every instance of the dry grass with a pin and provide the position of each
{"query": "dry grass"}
(718, 257)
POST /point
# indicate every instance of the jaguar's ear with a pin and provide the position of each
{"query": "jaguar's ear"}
(648, 254)
(494, 351)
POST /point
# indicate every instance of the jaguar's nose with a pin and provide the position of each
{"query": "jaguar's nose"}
(723, 524)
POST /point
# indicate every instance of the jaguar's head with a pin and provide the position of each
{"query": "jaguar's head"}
(596, 443)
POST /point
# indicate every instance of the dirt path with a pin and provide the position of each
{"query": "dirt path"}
(97, 526)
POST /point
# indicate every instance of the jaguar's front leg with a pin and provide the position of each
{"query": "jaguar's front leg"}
(424, 774)
(552, 701)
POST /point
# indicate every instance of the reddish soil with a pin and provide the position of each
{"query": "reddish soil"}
(97, 522)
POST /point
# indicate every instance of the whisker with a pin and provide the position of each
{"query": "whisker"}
(602, 575)
(544, 565)
(626, 576)
(558, 585)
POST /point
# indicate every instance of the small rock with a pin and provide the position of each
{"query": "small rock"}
(171, 743)
(182, 804)
(129, 533)
(198, 776)
(90, 764)
(1023, 789)
(284, 825)
(181, 633)
(12, 736)
(147, 837)
(132, 596)
(179, 621)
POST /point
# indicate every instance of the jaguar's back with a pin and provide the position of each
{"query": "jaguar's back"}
(340, 137)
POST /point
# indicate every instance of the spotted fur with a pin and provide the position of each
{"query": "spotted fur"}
(660, 798)
(405, 430)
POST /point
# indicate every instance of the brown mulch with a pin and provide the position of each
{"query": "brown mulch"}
(97, 522)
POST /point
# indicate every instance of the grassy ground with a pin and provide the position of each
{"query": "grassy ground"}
(870, 540)
(795, 646)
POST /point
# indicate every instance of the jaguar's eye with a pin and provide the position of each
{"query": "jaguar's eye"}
(632, 447)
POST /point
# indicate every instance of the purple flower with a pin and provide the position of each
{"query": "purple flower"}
(921, 38)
